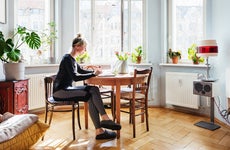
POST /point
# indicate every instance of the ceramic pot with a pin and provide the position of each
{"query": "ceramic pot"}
(123, 67)
(14, 71)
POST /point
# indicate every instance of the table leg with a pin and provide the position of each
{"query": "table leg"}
(86, 114)
(118, 89)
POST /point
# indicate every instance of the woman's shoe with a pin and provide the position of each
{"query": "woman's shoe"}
(106, 135)
(109, 124)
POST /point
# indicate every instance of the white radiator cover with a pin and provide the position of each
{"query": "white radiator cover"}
(36, 91)
(179, 89)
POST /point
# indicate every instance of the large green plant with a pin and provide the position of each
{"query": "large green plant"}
(10, 48)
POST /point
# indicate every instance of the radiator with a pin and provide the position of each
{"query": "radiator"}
(179, 89)
(36, 91)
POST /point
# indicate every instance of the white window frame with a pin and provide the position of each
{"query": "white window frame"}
(171, 29)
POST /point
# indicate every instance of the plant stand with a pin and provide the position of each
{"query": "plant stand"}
(206, 89)
(209, 125)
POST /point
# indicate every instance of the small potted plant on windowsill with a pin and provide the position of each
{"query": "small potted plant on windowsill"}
(11, 55)
(192, 55)
(83, 58)
(174, 55)
(137, 55)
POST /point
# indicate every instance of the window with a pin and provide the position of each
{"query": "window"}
(186, 24)
(109, 28)
(35, 15)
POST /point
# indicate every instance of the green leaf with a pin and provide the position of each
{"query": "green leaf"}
(14, 55)
(21, 30)
(33, 40)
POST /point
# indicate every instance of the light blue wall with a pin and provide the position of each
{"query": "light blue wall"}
(153, 45)
(221, 32)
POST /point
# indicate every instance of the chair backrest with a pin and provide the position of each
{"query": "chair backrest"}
(49, 86)
(142, 85)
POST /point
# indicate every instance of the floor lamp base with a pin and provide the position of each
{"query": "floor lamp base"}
(207, 125)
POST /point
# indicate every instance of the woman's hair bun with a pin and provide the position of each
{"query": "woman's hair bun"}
(78, 40)
(78, 35)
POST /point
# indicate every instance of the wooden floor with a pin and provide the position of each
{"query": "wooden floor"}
(169, 130)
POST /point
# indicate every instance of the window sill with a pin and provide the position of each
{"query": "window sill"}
(141, 64)
(41, 65)
(182, 65)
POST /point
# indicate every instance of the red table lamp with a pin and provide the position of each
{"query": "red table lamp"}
(207, 48)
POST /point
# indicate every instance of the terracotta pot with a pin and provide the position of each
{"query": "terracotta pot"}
(196, 62)
(138, 59)
(175, 60)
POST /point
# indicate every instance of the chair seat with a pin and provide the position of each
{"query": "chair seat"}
(129, 96)
(52, 101)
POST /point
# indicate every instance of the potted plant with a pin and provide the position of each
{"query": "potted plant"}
(121, 65)
(83, 57)
(48, 37)
(192, 55)
(10, 52)
(174, 55)
(137, 55)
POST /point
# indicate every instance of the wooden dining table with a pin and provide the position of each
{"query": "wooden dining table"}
(115, 81)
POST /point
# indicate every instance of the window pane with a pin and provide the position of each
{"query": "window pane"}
(34, 15)
(187, 24)
(136, 24)
(101, 23)
(85, 24)
(107, 28)
(133, 24)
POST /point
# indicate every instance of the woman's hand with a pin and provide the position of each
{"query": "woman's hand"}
(97, 71)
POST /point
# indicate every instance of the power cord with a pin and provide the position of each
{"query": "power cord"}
(224, 112)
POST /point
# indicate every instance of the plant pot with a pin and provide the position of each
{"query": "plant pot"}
(14, 71)
(123, 67)
(175, 60)
(196, 62)
(138, 59)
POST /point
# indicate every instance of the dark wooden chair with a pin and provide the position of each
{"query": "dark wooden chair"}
(59, 106)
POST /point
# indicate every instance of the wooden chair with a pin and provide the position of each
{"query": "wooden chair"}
(59, 106)
(138, 98)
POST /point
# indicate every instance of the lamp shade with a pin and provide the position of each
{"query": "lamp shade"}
(207, 48)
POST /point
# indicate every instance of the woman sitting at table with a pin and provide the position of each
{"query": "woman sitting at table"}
(69, 71)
